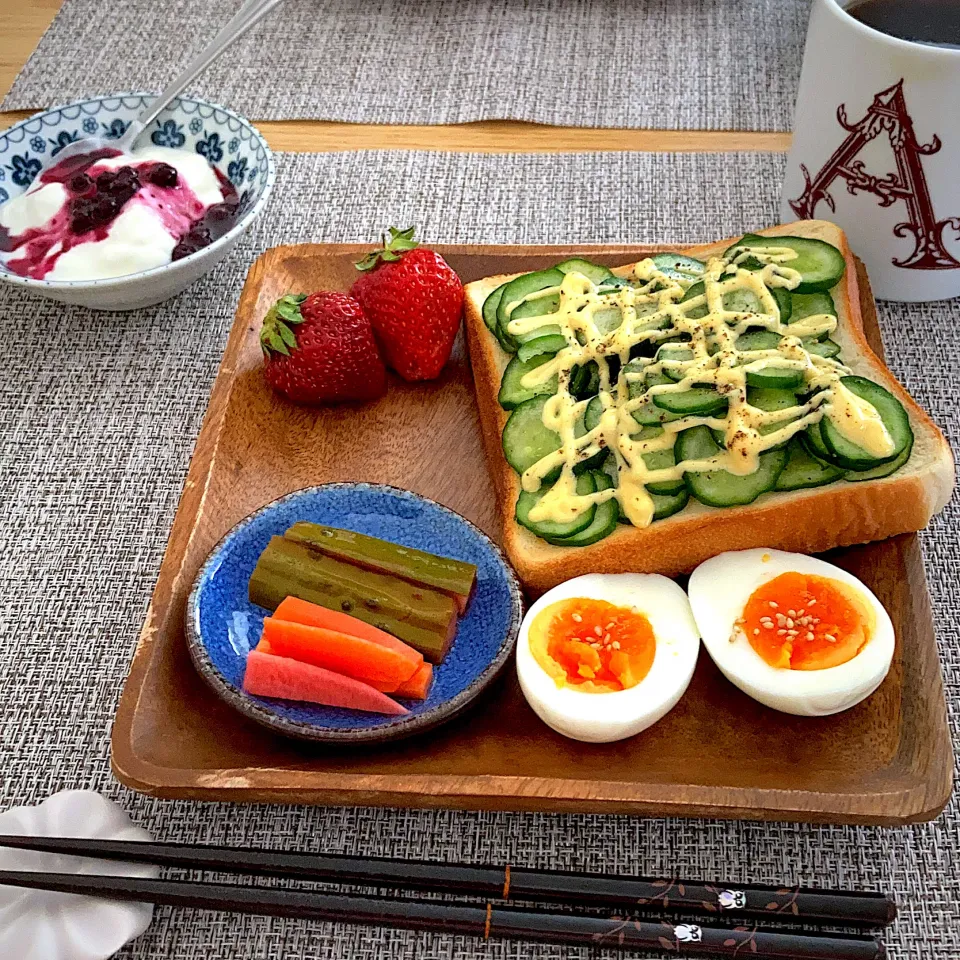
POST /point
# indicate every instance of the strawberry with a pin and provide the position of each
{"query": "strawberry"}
(320, 349)
(413, 299)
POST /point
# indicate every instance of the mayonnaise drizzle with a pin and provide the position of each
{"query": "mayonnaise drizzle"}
(651, 311)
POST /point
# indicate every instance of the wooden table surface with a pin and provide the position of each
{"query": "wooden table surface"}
(22, 23)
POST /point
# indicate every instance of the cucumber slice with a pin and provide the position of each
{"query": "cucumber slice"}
(525, 439)
(742, 301)
(820, 264)
(672, 351)
(660, 460)
(697, 401)
(849, 455)
(784, 302)
(811, 304)
(513, 393)
(697, 290)
(541, 346)
(719, 488)
(664, 505)
(812, 439)
(649, 415)
(667, 505)
(604, 519)
(585, 380)
(608, 319)
(803, 470)
(593, 413)
(489, 311)
(884, 470)
(592, 271)
(678, 267)
(757, 340)
(822, 348)
(521, 287)
(550, 528)
(775, 378)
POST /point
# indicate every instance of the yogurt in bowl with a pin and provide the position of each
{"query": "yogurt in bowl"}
(108, 214)
(115, 231)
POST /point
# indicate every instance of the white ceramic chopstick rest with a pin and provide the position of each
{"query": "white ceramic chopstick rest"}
(37, 925)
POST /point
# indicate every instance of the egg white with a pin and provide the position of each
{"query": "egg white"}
(605, 717)
(719, 590)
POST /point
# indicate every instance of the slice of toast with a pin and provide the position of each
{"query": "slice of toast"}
(805, 521)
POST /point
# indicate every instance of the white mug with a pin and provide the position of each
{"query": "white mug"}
(876, 149)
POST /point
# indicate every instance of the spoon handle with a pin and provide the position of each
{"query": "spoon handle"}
(251, 12)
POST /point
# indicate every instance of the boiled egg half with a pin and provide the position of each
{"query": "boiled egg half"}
(796, 633)
(603, 656)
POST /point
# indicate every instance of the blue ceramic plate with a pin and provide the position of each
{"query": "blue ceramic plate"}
(223, 626)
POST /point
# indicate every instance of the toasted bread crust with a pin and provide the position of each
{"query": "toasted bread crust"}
(805, 521)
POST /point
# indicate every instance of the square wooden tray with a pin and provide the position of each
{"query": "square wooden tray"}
(718, 753)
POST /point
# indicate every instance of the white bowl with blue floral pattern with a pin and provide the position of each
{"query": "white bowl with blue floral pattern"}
(230, 143)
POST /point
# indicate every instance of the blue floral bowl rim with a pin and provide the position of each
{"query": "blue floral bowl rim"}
(394, 728)
(238, 228)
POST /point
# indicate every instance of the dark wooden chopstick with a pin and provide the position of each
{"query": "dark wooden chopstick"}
(473, 919)
(515, 883)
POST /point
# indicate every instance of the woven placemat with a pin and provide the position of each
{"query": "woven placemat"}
(99, 413)
(668, 64)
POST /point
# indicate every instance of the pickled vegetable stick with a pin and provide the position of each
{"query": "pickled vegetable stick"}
(295, 610)
(423, 618)
(453, 577)
(341, 652)
(418, 686)
(285, 679)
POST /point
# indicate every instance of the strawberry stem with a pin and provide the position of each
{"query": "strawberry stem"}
(276, 335)
(399, 243)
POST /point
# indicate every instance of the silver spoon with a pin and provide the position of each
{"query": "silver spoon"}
(251, 12)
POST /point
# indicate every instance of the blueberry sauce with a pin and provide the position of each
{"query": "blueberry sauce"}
(96, 197)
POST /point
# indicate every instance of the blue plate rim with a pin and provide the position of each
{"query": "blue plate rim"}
(396, 728)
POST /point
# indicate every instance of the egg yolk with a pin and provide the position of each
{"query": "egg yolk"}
(592, 645)
(798, 621)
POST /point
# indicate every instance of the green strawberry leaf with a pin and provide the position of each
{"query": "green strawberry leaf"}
(391, 250)
(287, 335)
(276, 335)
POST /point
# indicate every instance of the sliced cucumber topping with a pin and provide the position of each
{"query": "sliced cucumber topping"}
(664, 505)
(490, 306)
(513, 393)
(784, 303)
(742, 301)
(667, 505)
(812, 439)
(803, 470)
(775, 378)
(592, 271)
(525, 439)
(811, 304)
(697, 290)
(884, 470)
(757, 340)
(823, 348)
(489, 310)
(594, 412)
(695, 402)
(663, 460)
(541, 346)
(820, 264)
(604, 519)
(551, 528)
(678, 267)
(585, 380)
(515, 291)
(719, 488)
(849, 455)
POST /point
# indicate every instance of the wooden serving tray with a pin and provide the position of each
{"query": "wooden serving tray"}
(718, 753)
